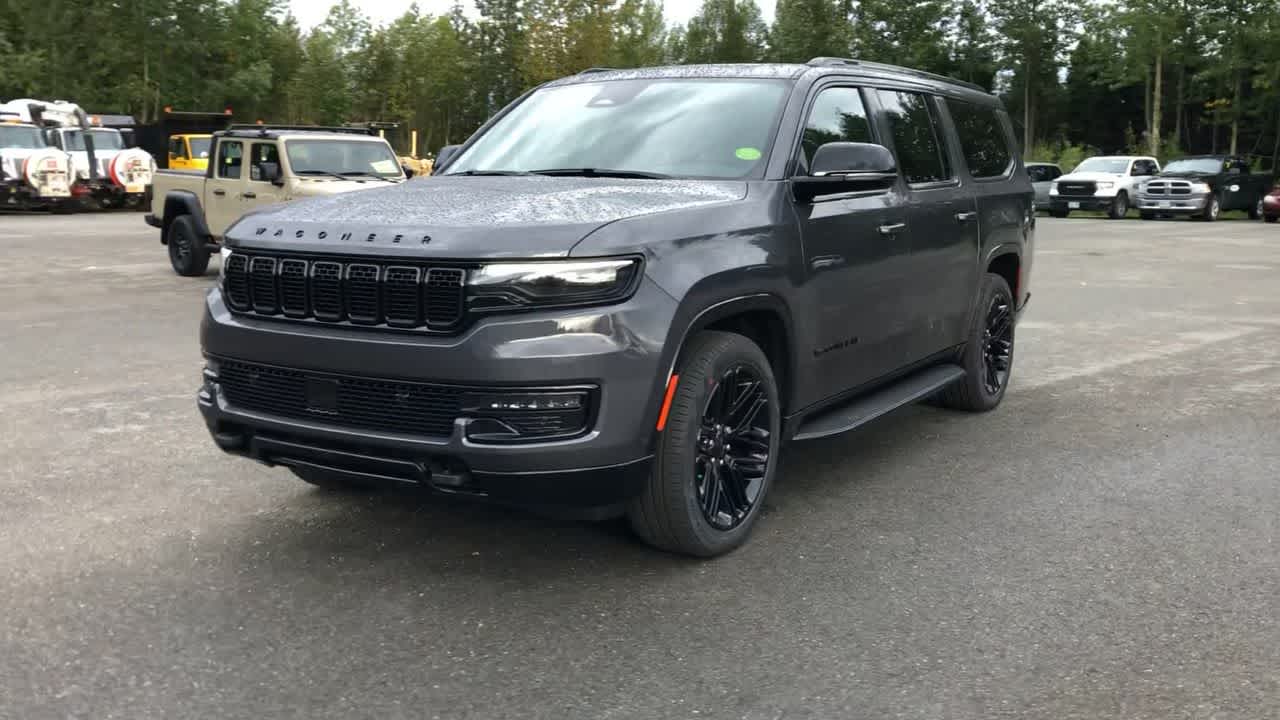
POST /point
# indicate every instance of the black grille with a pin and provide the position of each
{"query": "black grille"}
(417, 409)
(1077, 188)
(395, 294)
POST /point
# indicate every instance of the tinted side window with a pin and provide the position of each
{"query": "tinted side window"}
(262, 153)
(230, 159)
(915, 137)
(838, 115)
(983, 140)
(1040, 173)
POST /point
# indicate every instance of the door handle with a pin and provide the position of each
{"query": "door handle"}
(966, 216)
(249, 195)
(893, 229)
(219, 193)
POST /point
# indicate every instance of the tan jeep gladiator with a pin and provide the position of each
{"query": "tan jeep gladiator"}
(256, 165)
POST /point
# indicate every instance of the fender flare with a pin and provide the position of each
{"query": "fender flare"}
(687, 323)
(182, 202)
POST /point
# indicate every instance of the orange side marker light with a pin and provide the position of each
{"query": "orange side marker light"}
(666, 402)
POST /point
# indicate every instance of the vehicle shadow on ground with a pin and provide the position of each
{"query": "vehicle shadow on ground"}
(420, 535)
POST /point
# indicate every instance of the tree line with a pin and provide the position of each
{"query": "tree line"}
(1165, 77)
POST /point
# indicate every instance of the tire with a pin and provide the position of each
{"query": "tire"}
(1147, 215)
(1213, 210)
(973, 393)
(1119, 207)
(187, 253)
(669, 514)
(333, 482)
(1255, 213)
(1059, 213)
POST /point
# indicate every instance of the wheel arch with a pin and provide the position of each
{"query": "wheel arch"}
(182, 202)
(764, 318)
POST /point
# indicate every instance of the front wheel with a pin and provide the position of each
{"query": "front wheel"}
(717, 454)
(187, 252)
(1212, 210)
(1119, 207)
(987, 357)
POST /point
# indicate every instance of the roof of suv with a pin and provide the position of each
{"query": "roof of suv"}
(782, 71)
(280, 131)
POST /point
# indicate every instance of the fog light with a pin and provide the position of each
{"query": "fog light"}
(498, 417)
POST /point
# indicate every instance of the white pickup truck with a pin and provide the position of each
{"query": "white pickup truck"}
(255, 165)
(1107, 183)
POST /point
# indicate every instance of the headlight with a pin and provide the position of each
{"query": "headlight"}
(1200, 188)
(1106, 185)
(1053, 189)
(527, 285)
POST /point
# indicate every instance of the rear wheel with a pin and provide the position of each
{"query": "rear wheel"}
(1119, 207)
(1255, 213)
(717, 455)
(987, 357)
(187, 252)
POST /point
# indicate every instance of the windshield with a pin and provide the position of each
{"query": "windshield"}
(199, 146)
(102, 139)
(342, 157)
(18, 136)
(1208, 166)
(1115, 166)
(680, 127)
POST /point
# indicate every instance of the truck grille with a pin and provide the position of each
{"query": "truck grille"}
(397, 294)
(1077, 188)
(1167, 187)
(417, 409)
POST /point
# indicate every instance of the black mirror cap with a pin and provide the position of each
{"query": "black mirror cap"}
(443, 157)
(271, 172)
(846, 158)
(408, 171)
(845, 167)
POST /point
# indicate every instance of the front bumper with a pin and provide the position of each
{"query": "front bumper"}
(617, 349)
(1085, 202)
(1173, 204)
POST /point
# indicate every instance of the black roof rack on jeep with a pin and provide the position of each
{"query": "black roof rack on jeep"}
(265, 129)
(838, 62)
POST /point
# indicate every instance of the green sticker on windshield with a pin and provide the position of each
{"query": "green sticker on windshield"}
(747, 153)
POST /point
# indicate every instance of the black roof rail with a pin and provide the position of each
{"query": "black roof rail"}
(839, 62)
(267, 128)
(596, 70)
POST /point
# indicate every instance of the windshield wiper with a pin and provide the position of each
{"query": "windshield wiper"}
(359, 173)
(321, 172)
(601, 172)
(474, 173)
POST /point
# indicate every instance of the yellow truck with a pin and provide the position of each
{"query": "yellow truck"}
(189, 151)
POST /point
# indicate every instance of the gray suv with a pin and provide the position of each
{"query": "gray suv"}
(629, 289)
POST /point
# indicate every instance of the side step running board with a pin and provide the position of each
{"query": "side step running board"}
(865, 409)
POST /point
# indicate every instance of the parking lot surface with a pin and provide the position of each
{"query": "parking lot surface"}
(1105, 545)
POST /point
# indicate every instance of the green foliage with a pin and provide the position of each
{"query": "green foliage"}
(1203, 75)
(1065, 155)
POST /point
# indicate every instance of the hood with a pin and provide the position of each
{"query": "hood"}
(471, 217)
(1188, 175)
(1091, 177)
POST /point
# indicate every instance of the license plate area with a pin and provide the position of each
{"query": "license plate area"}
(1073, 205)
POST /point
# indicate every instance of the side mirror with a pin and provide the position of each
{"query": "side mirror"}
(841, 167)
(271, 173)
(444, 156)
(408, 171)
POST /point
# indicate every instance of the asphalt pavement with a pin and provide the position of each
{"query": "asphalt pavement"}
(1104, 545)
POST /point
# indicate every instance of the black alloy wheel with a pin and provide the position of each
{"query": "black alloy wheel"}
(997, 344)
(733, 448)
